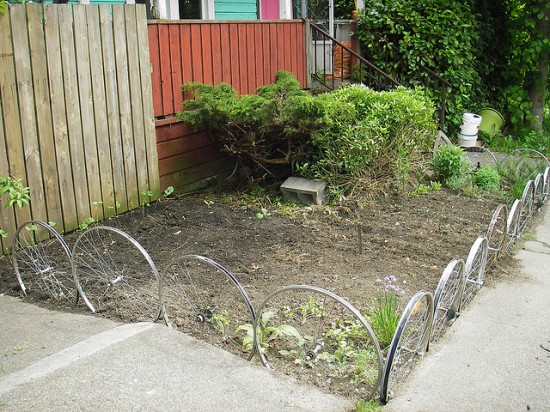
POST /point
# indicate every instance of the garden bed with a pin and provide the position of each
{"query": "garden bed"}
(342, 251)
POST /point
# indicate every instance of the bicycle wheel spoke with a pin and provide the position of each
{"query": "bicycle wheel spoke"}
(512, 224)
(528, 202)
(409, 343)
(205, 300)
(448, 296)
(475, 269)
(497, 233)
(318, 337)
(116, 276)
(41, 260)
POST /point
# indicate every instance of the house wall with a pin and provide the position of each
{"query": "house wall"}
(235, 9)
(246, 55)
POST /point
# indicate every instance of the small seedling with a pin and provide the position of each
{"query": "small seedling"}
(264, 213)
(208, 203)
(168, 191)
(149, 194)
(87, 222)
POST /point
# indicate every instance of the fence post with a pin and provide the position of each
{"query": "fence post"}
(309, 53)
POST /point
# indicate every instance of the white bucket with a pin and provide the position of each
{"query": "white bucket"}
(470, 124)
(467, 141)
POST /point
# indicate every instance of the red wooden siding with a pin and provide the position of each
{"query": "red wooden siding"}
(246, 55)
(188, 158)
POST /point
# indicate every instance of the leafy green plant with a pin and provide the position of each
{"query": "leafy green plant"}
(220, 321)
(266, 333)
(386, 312)
(368, 136)
(487, 178)
(86, 223)
(149, 194)
(263, 214)
(168, 191)
(368, 406)
(516, 171)
(402, 36)
(450, 164)
(425, 189)
(209, 203)
(17, 193)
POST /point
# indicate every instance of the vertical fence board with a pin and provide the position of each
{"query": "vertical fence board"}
(266, 54)
(206, 41)
(196, 53)
(186, 61)
(243, 59)
(165, 69)
(147, 103)
(250, 65)
(153, 40)
(44, 115)
(59, 119)
(10, 109)
(226, 53)
(275, 47)
(27, 115)
(293, 49)
(87, 112)
(215, 41)
(7, 217)
(125, 109)
(113, 119)
(74, 121)
(302, 72)
(100, 113)
(175, 64)
(259, 51)
(134, 77)
(234, 56)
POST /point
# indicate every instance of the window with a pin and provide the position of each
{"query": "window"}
(190, 9)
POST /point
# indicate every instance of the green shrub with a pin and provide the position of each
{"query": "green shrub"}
(345, 137)
(401, 36)
(376, 134)
(487, 178)
(451, 165)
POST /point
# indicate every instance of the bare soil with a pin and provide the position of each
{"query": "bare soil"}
(412, 238)
(344, 251)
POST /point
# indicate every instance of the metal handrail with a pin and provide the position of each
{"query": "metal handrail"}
(374, 75)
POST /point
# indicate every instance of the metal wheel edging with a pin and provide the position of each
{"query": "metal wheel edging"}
(137, 245)
(397, 337)
(338, 299)
(53, 232)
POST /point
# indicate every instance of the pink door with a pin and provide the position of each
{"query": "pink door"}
(270, 9)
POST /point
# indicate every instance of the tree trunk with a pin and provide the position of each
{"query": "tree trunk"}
(536, 86)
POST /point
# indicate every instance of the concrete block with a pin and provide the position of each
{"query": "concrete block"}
(307, 191)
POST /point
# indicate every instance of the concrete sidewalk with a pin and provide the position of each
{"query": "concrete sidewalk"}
(53, 361)
(496, 356)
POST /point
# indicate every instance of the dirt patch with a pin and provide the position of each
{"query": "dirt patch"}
(412, 238)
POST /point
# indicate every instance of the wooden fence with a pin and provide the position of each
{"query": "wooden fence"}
(76, 112)
(246, 55)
